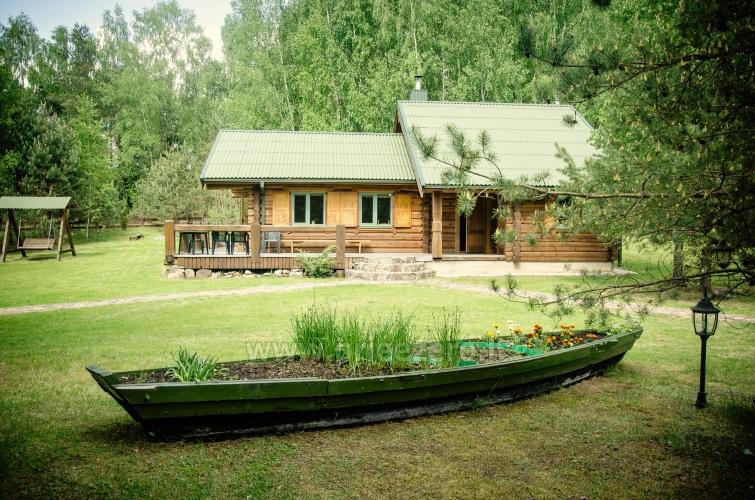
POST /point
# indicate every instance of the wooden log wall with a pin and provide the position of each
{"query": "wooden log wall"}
(373, 240)
(579, 247)
(449, 223)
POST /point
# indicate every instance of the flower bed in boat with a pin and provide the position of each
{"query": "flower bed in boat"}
(424, 356)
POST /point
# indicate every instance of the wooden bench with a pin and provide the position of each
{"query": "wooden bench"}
(38, 244)
(324, 243)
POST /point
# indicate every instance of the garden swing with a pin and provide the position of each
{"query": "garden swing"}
(52, 205)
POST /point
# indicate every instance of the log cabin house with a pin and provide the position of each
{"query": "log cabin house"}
(373, 193)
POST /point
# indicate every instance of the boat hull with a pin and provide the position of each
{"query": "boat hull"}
(219, 408)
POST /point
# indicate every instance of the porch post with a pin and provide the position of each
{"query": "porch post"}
(255, 243)
(517, 233)
(437, 240)
(170, 242)
(340, 263)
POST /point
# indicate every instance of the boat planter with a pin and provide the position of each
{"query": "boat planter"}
(202, 409)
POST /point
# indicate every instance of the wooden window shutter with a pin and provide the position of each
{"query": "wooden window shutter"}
(349, 209)
(281, 209)
(334, 207)
(402, 210)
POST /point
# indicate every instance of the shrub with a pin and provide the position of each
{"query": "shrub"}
(316, 266)
(191, 367)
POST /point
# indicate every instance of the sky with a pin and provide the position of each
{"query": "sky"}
(47, 14)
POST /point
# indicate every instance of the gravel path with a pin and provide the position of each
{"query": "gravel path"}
(669, 311)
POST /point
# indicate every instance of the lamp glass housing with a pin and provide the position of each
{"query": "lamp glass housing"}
(705, 317)
(722, 256)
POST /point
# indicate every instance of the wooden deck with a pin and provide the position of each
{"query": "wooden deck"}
(236, 262)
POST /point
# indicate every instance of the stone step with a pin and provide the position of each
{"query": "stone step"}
(395, 268)
(388, 276)
(390, 260)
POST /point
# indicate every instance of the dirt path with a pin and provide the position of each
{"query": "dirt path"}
(669, 311)
(236, 292)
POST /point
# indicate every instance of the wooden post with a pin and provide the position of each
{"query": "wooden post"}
(5, 237)
(60, 233)
(255, 243)
(67, 227)
(517, 233)
(16, 230)
(340, 263)
(170, 242)
(437, 240)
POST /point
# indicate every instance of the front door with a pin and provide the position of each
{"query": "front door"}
(479, 227)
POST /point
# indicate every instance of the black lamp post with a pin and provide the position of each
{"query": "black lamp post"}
(705, 321)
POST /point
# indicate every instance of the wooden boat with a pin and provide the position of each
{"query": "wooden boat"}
(213, 408)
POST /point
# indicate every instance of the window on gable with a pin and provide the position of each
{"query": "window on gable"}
(309, 208)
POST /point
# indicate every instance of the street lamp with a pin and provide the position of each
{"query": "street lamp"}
(705, 321)
(722, 255)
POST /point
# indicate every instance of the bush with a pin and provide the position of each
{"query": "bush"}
(316, 266)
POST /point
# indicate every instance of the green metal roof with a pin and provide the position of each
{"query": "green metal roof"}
(258, 155)
(35, 202)
(523, 136)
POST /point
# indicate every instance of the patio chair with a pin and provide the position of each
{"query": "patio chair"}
(192, 242)
(221, 237)
(271, 237)
(239, 237)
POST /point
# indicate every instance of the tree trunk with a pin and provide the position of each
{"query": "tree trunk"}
(678, 271)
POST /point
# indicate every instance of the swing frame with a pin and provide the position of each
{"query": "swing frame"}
(54, 205)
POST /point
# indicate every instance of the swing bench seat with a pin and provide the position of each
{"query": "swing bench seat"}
(38, 244)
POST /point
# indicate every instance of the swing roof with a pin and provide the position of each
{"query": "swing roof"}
(35, 202)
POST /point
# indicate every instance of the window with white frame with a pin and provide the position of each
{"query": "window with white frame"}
(308, 208)
(375, 209)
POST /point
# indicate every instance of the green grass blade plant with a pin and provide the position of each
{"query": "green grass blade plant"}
(447, 332)
(316, 333)
(354, 341)
(191, 367)
(402, 339)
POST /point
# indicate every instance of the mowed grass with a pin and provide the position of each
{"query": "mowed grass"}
(107, 266)
(631, 433)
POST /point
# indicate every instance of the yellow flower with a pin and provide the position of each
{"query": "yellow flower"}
(489, 334)
(496, 326)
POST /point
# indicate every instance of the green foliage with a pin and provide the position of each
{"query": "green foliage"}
(316, 333)
(446, 330)
(170, 189)
(323, 334)
(191, 367)
(316, 266)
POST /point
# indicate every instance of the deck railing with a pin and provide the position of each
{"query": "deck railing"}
(291, 238)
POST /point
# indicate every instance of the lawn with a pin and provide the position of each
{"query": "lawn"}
(108, 265)
(631, 433)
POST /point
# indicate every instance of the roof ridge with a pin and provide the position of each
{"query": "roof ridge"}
(308, 132)
(491, 103)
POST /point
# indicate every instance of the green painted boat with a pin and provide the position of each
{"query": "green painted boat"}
(237, 407)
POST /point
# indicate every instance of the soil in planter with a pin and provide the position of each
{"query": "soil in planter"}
(295, 367)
